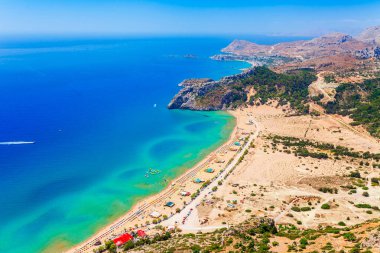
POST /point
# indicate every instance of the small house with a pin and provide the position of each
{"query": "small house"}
(184, 193)
(155, 214)
(170, 204)
(141, 233)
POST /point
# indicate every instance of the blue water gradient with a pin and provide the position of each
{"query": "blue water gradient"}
(89, 107)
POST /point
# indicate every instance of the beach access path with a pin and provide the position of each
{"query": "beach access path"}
(192, 220)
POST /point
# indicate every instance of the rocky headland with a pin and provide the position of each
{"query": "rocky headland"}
(284, 72)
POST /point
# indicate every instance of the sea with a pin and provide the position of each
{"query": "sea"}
(83, 119)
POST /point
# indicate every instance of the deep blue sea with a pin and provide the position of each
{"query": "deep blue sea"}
(96, 110)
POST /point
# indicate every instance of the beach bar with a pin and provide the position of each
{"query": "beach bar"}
(169, 204)
(122, 239)
(155, 214)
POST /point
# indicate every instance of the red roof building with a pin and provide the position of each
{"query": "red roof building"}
(122, 239)
(141, 233)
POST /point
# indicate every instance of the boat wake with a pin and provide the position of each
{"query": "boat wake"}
(16, 142)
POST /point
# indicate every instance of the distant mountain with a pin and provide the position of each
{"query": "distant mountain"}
(324, 46)
(330, 52)
(370, 35)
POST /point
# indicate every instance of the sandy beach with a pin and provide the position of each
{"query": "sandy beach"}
(139, 215)
(266, 182)
(270, 182)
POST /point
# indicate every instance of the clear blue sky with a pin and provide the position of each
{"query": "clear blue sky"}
(187, 17)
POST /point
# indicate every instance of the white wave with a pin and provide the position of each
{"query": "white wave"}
(16, 142)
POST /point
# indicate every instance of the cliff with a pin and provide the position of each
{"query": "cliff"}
(231, 92)
(209, 95)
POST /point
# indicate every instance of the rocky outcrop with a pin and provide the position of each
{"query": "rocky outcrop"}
(194, 82)
(192, 88)
(377, 52)
(368, 53)
(207, 94)
(372, 240)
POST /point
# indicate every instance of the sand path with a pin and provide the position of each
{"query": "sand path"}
(189, 214)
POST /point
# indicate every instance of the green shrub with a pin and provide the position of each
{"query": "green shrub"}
(363, 206)
(349, 237)
(355, 174)
(304, 241)
(296, 209)
(325, 206)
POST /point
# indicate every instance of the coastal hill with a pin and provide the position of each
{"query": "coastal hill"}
(288, 72)
(324, 46)
(331, 52)
(233, 91)
(210, 95)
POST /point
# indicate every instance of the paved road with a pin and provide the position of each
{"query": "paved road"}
(337, 119)
(192, 221)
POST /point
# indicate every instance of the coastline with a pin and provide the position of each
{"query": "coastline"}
(62, 245)
(142, 202)
(88, 171)
(129, 217)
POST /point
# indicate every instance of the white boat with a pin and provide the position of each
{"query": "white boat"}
(16, 142)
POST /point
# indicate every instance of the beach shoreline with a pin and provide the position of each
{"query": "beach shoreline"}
(128, 219)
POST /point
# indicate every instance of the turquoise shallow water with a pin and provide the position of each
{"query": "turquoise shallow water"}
(88, 105)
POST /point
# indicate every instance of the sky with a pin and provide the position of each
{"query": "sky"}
(186, 17)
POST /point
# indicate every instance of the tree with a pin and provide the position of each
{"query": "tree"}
(112, 248)
(108, 244)
(129, 245)
(196, 248)
(349, 237)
